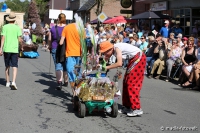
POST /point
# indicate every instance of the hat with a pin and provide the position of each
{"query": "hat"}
(185, 38)
(179, 35)
(166, 22)
(104, 46)
(130, 35)
(11, 17)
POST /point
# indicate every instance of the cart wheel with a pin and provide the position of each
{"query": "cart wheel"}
(114, 112)
(81, 110)
(75, 103)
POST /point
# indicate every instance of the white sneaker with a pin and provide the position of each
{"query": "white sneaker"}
(8, 84)
(124, 110)
(135, 112)
(13, 85)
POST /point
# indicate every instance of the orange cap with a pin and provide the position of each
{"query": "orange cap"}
(104, 46)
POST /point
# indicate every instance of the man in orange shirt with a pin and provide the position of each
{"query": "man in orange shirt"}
(73, 51)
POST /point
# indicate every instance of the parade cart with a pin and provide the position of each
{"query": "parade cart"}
(95, 93)
(29, 51)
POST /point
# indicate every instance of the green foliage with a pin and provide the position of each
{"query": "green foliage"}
(17, 5)
(39, 39)
(42, 8)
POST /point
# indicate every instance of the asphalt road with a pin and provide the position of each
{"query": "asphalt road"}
(36, 107)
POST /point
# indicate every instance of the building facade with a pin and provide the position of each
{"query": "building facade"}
(184, 12)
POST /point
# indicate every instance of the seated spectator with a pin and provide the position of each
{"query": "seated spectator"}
(189, 57)
(171, 37)
(185, 42)
(113, 30)
(137, 40)
(121, 38)
(176, 29)
(179, 38)
(131, 40)
(194, 75)
(108, 37)
(144, 44)
(173, 55)
(150, 55)
(126, 38)
(115, 39)
(162, 50)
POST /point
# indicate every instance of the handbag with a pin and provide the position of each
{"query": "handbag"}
(60, 51)
(178, 61)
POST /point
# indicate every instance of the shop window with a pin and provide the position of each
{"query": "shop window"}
(196, 12)
(182, 16)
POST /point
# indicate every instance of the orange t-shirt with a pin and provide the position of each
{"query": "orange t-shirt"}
(73, 45)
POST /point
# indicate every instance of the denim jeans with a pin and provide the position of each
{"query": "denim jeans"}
(150, 62)
(58, 66)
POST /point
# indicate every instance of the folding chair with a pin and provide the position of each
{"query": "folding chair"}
(178, 66)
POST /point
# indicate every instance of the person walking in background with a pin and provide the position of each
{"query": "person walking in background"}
(73, 52)
(54, 35)
(11, 36)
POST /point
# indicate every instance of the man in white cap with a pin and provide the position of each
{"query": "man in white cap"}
(9, 48)
(164, 31)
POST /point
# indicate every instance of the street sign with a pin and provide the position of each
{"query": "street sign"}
(102, 17)
(126, 3)
(126, 11)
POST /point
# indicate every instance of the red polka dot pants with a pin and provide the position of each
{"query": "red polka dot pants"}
(132, 84)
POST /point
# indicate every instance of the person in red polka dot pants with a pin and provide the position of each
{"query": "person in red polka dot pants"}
(133, 77)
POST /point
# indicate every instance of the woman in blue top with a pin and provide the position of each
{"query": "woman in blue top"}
(144, 44)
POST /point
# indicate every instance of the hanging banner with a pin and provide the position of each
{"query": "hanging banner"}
(159, 6)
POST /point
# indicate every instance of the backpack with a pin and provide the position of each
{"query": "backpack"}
(60, 51)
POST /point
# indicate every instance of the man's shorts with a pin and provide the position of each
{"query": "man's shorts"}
(11, 59)
(71, 62)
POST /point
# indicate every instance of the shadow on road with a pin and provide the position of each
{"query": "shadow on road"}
(2, 81)
(45, 75)
(63, 94)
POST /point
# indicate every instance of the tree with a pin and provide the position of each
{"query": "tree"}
(17, 6)
(42, 7)
(33, 17)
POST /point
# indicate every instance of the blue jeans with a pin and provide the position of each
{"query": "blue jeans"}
(58, 66)
(71, 62)
(150, 62)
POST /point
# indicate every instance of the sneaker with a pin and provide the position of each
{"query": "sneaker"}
(59, 86)
(166, 80)
(8, 84)
(13, 86)
(139, 111)
(124, 110)
(135, 112)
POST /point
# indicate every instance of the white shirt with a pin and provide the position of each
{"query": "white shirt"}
(127, 49)
(181, 44)
(138, 43)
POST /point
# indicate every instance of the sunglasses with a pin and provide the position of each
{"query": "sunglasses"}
(142, 38)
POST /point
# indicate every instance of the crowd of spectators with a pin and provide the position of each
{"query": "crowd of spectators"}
(165, 48)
